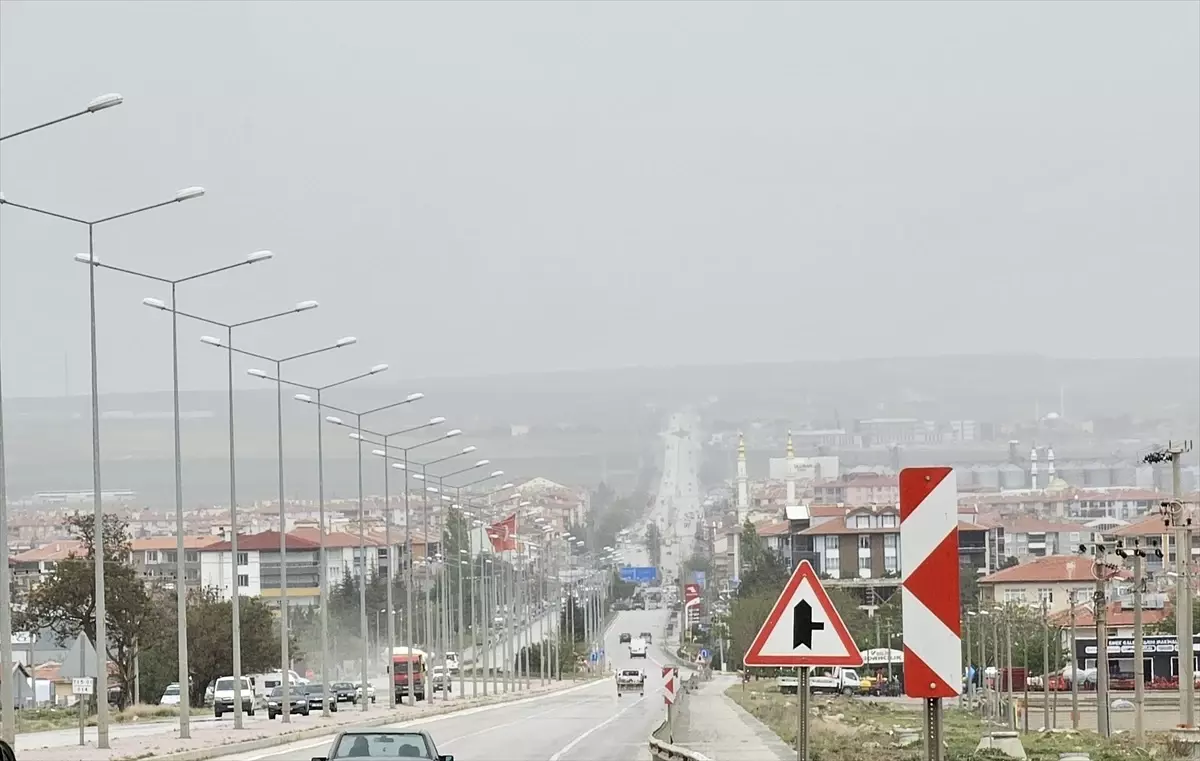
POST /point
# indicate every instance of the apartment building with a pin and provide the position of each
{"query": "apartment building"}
(1050, 580)
(257, 569)
(155, 558)
(30, 567)
(859, 489)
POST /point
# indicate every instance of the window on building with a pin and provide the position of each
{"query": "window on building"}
(864, 542)
(1014, 595)
(891, 564)
(864, 563)
(192, 556)
(891, 541)
(862, 521)
(887, 521)
(243, 580)
(1046, 595)
(243, 558)
(151, 557)
(818, 544)
(170, 557)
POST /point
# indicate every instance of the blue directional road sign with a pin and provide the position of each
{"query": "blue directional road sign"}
(699, 577)
(705, 655)
(639, 574)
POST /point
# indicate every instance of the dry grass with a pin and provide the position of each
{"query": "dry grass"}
(848, 729)
(43, 719)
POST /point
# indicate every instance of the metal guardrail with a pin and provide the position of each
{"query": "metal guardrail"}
(661, 748)
(661, 751)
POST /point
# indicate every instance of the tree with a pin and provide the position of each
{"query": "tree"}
(653, 544)
(65, 603)
(761, 570)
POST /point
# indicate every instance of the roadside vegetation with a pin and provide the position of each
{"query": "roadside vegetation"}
(849, 729)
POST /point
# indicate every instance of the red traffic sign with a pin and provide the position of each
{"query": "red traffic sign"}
(803, 629)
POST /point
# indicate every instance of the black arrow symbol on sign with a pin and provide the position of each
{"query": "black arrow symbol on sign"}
(803, 625)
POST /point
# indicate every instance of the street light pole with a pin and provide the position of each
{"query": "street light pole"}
(101, 610)
(323, 571)
(279, 362)
(234, 603)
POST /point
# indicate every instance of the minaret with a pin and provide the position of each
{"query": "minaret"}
(743, 485)
(1033, 468)
(1049, 465)
(791, 471)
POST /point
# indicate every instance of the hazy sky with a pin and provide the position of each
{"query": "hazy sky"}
(472, 188)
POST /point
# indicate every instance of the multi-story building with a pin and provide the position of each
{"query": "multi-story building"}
(155, 558)
(257, 569)
(1027, 538)
(1050, 580)
(30, 567)
(859, 489)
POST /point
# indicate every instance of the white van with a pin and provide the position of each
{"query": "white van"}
(452, 663)
(223, 696)
(637, 648)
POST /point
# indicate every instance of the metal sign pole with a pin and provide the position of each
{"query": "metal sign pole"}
(933, 730)
(802, 696)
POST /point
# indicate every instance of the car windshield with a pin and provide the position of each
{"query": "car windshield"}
(343, 686)
(172, 689)
(382, 745)
(278, 692)
(224, 684)
(630, 672)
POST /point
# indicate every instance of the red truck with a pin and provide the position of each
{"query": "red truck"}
(402, 664)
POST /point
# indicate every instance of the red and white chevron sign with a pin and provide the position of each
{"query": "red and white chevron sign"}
(668, 674)
(930, 591)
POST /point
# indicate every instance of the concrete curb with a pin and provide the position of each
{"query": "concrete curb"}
(202, 754)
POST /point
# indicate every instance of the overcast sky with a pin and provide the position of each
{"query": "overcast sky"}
(472, 188)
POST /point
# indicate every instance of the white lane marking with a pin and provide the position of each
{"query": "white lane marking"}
(598, 727)
(324, 739)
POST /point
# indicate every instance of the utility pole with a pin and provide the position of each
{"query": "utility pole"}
(1008, 681)
(1175, 516)
(1045, 667)
(1139, 682)
(1074, 669)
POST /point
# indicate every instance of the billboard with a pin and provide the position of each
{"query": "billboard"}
(699, 577)
(690, 592)
(639, 574)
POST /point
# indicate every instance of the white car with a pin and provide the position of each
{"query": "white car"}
(370, 692)
(170, 696)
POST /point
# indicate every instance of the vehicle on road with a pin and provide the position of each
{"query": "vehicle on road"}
(170, 696)
(637, 649)
(631, 680)
(439, 679)
(316, 694)
(6, 752)
(452, 663)
(379, 744)
(645, 637)
(405, 663)
(298, 700)
(625, 638)
(834, 681)
(358, 692)
(346, 692)
(223, 696)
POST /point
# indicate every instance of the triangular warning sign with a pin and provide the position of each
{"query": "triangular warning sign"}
(803, 628)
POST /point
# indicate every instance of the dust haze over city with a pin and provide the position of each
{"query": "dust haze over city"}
(892, 234)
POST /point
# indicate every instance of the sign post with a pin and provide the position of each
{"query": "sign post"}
(803, 630)
(930, 595)
(80, 666)
(668, 675)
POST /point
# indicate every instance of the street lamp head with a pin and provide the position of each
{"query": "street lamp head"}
(259, 256)
(431, 489)
(333, 419)
(452, 434)
(155, 303)
(495, 474)
(419, 476)
(468, 450)
(304, 306)
(303, 398)
(357, 437)
(256, 373)
(508, 485)
(86, 259)
(380, 368)
(379, 453)
(525, 504)
(211, 341)
(188, 194)
(347, 341)
(436, 420)
(105, 101)
(398, 465)
(481, 463)
(414, 397)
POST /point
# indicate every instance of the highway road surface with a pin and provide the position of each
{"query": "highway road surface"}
(585, 723)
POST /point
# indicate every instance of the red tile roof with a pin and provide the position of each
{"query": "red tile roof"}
(1152, 525)
(50, 552)
(335, 539)
(266, 541)
(1054, 568)
(838, 527)
(169, 543)
(772, 529)
(1116, 616)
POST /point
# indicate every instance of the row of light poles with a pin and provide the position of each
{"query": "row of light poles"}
(7, 717)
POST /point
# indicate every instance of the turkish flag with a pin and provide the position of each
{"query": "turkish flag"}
(504, 534)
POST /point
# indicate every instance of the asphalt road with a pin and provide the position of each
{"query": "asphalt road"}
(584, 723)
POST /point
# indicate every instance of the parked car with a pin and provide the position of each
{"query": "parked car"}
(170, 696)
(297, 698)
